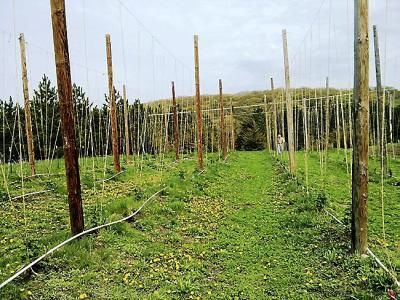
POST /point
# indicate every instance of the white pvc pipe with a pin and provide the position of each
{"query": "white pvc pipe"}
(107, 179)
(31, 194)
(24, 269)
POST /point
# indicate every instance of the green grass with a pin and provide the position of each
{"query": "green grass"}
(337, 188)
(244, 229)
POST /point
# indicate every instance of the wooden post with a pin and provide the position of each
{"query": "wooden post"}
(350, 121)
(222, 125)
(233, 141)
(381, 105)
(113, 106)
(338, 137)
(126, 121)
(176, 129)
(27, 108)
(289, 107)
(305, 118)
(359, 224)
(267, 126)
(391, 114)
(282, 109)
(198, 105)
(61, 52)
(275, 127)
(306, 142)
(327, 125)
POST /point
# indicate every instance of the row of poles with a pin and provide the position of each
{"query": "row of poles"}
(65, 96)
(360, 118)
(360, 137)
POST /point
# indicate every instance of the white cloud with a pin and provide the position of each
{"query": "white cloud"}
(240, 42)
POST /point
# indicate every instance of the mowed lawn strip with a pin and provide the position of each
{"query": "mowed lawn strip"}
(276, 243)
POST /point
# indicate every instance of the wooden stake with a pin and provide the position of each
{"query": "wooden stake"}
(306, 142)
(275, 127)
(27, 108)
(222, 125)
(198, 105)
(359, 225)
(233, 140)
(391, 114)
(176, 129)
(289, 107)
(267, 127)
(381, 105)
(338, 137)
(350, 122)
(126, 121)
(61, 52)
(327, 123)
(344, 135)
(283, 131)
(305, 123)
(113, 106)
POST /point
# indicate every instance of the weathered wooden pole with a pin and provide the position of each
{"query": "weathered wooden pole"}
(289, 106)
(381, 105)
(267, 125)
(175, 116)
(233, 140)
(359, 224)
(198, 105)
(64, 85)
(391, 114)
(275, 127)
(338, 137)
(282, 111)
(306, 141)
(27, 107)
(327, 125)
(222, 125)
(305, 118)
(113, 106)
(126, 123)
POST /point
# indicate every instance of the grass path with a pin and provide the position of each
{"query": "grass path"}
(242, 230)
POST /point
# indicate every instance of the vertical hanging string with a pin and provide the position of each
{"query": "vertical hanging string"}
(382, 126)
(3, 165)
(20, 141)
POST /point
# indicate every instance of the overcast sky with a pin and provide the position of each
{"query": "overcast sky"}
(152, 42)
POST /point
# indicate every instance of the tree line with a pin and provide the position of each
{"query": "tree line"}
(151, 126)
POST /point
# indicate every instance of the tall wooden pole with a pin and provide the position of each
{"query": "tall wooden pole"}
(222, 125)
(359, 224)
(306, 141)
(126, 123)
(327, 125)
(289, 106)
(113, 105)
(267, 126)
(233, 140)
(381, 105)
(27, 108)
(61, 52)
(282, 109)
(275, 127)
(338, 137)
(175, 115)
(198, 104)
(391, 114)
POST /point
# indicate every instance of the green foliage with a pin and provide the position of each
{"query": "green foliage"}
(251, 133)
